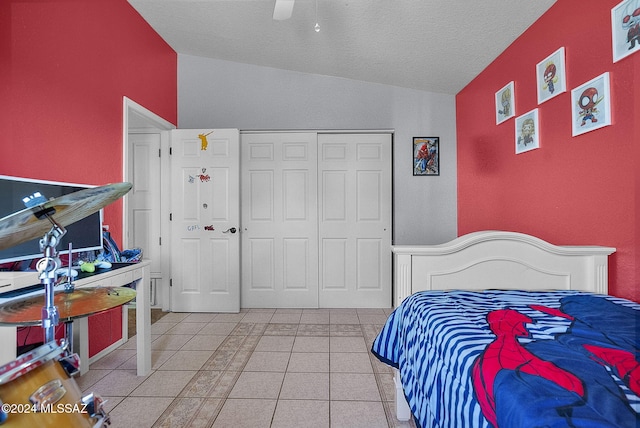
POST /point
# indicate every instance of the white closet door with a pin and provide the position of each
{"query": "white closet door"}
(279, 220)
(355, 220)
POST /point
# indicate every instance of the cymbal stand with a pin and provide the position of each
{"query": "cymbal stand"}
(47, 269)
(68, 288)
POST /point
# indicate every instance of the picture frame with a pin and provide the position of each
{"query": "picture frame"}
(591, 105)
(505, 103)
(527, 132)
(625, 29)
(426, 156)
(551, 76)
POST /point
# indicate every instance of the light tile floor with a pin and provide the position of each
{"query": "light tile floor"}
(259, 368)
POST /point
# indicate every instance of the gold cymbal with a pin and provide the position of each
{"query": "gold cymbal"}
(31, 223)
(81, 302)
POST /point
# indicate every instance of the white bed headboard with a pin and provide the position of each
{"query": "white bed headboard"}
(498, 260)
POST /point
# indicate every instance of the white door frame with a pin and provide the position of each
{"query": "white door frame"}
(136, 118)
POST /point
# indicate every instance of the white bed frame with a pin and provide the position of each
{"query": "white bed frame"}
(495, 260)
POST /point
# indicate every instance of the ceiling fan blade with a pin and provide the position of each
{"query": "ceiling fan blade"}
(283, 9)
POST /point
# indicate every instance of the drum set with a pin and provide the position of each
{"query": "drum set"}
(38, 388)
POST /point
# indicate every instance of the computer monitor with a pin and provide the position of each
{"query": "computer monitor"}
(84, 235)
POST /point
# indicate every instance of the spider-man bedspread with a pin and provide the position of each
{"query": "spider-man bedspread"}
(516, 358)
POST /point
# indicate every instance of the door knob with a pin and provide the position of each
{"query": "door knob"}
(231, 229)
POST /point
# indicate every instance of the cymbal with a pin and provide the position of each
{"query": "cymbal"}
(30, 223)
(81, 302)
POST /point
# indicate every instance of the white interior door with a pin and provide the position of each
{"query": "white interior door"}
(279, 220)
(144, 198)
(355, 220)
(205, 214)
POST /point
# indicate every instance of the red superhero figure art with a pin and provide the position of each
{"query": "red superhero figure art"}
(426, 157)
(586, 390)
(550, 78)
(506, 353)
(588, 102)
(631, 23)
(622, 362)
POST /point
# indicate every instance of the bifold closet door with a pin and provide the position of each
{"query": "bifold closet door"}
(354, 197)
(279, 220)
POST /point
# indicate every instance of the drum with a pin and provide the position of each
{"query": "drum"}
(36, 390)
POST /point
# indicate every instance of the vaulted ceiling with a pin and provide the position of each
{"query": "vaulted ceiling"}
(431, 45)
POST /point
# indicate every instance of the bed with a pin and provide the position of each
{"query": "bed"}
(504, 329)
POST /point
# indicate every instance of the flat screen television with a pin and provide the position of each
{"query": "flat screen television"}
(84, 235)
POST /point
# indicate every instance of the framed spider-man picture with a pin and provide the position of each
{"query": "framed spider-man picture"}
(426, 156)
(625, 29)
(591, 105)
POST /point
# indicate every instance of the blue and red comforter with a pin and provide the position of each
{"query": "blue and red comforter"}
(516, 358)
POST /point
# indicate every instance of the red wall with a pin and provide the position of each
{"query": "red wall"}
(65, 66)
(573, 190)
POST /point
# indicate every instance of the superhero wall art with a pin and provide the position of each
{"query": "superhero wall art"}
(591, 105)
(426, 156)
(505, 103)
(625, 29)
(550, 76)
(527, 132)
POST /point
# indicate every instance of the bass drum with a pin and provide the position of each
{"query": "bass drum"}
(37, 391)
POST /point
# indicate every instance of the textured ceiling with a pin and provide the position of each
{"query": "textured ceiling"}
(431, 45)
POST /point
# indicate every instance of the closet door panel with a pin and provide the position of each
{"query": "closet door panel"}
(279, 220)
(355, 206)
